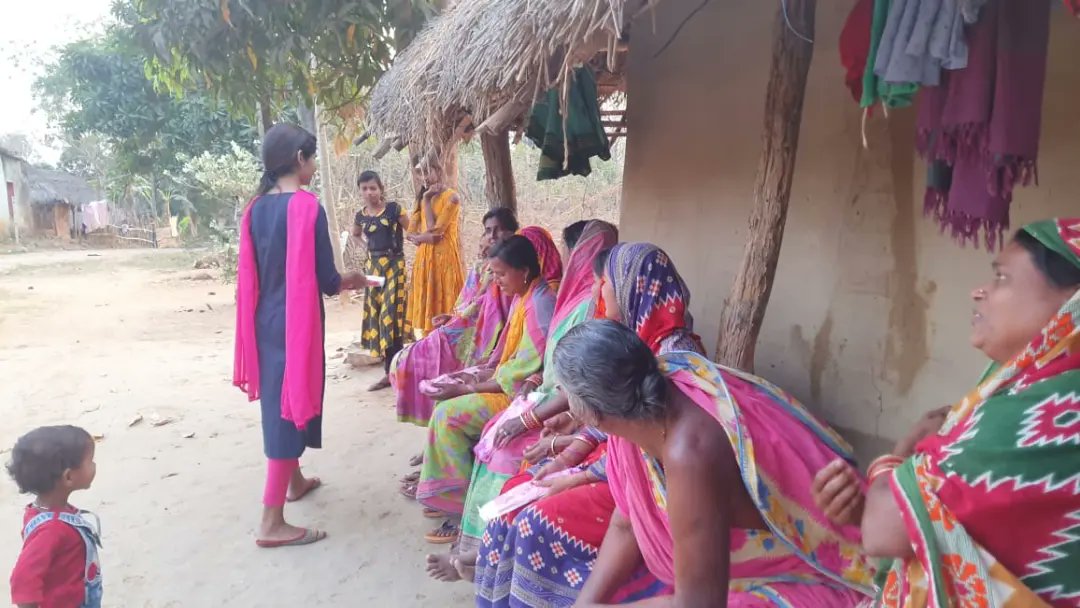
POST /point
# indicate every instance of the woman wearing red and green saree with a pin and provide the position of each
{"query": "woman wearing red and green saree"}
(980, 504)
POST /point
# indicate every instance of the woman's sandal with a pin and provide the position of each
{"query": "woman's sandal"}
(408, 490)
(433, 513)
(307, 537)
(417, 460)
(447, 533)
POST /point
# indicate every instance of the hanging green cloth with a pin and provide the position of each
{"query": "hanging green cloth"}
(894, 95)
(584, 133)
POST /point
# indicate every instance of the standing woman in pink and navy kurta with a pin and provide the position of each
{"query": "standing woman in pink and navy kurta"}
(285, 266)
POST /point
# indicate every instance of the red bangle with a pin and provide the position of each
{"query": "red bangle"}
(530, 420)
(588, 440)
(883, 465)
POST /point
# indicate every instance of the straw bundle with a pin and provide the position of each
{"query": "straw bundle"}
(480, 55)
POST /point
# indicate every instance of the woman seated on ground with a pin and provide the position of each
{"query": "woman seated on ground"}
(464, 408)
(498, 458)
(579, 505)
(979, 504)
(709, 468)
(460, 340)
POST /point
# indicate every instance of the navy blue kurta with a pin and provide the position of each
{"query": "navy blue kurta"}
(269, 234)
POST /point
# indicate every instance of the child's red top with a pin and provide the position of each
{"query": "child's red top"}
(50, 569)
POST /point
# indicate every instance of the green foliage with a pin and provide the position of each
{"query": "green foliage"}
(223, 182)
(120, 131)
(255, 53)
(100, 86)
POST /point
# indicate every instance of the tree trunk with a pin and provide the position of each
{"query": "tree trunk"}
(498, 170)
(266, 117)
(449, 165)
(745, 307)
(310, 120)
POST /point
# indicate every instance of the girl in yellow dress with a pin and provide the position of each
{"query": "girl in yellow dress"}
(437, 276)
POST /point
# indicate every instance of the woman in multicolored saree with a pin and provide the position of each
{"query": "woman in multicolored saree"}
(464, 338)
(980, 504)
(710, 471)
(636, 284)
(464, 408)
(499, 456)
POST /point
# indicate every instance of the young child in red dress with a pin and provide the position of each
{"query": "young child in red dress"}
(58, 566)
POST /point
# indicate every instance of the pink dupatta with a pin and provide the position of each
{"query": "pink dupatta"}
(301, 390)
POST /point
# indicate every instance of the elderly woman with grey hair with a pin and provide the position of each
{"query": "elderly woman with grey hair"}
(710, 469)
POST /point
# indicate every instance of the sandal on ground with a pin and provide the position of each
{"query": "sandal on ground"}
(408, 490)
(417, 460)
(446, 533)
(307, 537)
(314, 483)
(433, 513)
(410, 478)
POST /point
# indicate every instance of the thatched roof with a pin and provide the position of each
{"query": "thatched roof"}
(480, 55)
(49, 186)
(11, 153)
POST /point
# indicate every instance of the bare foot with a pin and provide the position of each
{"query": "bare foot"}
(441, 568)
(300, 487)
(465, 566)
(417, 460)
(279, 533)
(380, 385)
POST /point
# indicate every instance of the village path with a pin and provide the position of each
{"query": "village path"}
(99, 338)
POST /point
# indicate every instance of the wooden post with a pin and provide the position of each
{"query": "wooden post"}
(745, 307)
(498, 170)
(449, 164)
(311, 120)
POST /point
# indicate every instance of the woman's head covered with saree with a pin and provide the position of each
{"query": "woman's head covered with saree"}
(642, 289)
(578, 278)
(547, 252)
(1010, 446)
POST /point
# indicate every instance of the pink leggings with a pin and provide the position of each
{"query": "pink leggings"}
(278, 474)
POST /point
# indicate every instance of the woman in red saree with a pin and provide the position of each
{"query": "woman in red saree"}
(980, 504)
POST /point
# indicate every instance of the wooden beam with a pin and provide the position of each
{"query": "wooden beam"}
(745, 307)
(501, 119)
(498, 170)
(384, 146)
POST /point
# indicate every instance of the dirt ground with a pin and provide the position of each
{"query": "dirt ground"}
(99, 338)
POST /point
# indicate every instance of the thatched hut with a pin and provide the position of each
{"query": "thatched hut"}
(867, 318)
(55, 196)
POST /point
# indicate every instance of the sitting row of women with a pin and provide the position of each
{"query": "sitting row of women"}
(671, 480)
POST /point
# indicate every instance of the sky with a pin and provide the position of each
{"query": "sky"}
(29, 31)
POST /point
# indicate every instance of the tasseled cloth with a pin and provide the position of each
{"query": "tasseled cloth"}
(979, 130)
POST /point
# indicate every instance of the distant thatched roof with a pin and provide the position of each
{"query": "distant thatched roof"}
(49, 186)
(9, 152)
(480, 55)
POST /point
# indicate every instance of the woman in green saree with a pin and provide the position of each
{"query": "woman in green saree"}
(980, 504)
